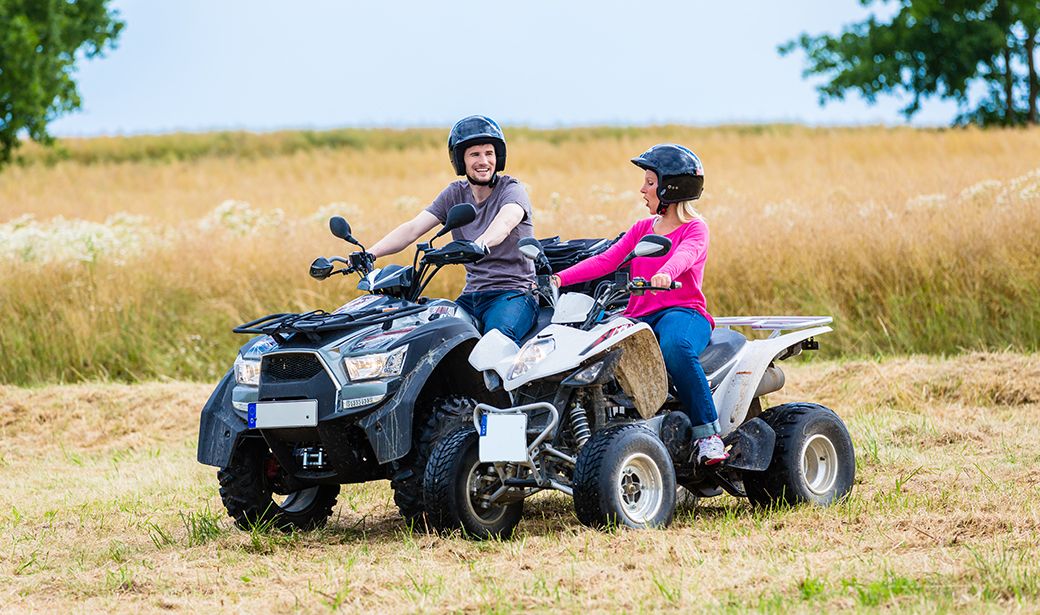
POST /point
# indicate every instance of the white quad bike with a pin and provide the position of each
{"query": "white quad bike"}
(594, 416)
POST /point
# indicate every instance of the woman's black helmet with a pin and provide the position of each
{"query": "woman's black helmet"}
(680, 174)
(475, 130)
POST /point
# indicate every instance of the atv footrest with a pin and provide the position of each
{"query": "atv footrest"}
(521, 482)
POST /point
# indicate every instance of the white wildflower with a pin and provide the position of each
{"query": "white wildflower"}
(867, 210)
(981, 189)
(1030, 192)
(350, 211)
(785, 208)
(409, 203)
(119, 238)
(240, 218)
(925, 202)
(1025, 187)
(1023, 181)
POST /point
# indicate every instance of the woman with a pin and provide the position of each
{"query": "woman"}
(674, 178)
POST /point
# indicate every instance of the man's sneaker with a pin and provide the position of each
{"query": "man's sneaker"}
(711, 451)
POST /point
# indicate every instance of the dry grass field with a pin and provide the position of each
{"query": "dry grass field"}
(130, 259)
(110, 513)
(125, 262)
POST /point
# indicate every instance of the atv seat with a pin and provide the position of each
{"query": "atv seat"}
(545, 315)
(723, 346)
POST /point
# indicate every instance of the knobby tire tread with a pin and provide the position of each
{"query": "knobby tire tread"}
(446, 414)
(440, 486)
(247, 501)
(586, 487)
(763, 488)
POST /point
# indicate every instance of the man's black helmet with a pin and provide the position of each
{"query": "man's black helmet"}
(680, 174)
(475, 130)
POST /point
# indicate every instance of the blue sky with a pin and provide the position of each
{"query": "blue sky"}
(264, 65)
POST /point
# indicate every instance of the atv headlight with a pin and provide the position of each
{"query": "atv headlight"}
(381, 365)
(532, 353)
(247, 372)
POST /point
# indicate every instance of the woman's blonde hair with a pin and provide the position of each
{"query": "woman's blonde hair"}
(686, 212)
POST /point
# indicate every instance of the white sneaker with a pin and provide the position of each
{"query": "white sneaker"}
(711, 451)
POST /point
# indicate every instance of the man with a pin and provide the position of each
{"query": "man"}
(496, 286)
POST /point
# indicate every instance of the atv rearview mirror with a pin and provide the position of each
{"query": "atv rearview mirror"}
(530, 247)
(341, 229)
(650, 245)
(653, 245)
(321, 268)
(459, 215)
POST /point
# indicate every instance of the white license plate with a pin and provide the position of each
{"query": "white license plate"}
(274, 414)
(503, 437)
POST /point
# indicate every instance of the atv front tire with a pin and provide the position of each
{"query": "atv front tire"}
(250, 501)
(454, 483)
(624, 476)
(445, 415)
(813, 460)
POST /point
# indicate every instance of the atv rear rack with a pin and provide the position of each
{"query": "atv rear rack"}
(776, 324)
(312, 324)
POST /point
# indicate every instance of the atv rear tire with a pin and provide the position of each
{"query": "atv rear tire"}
(624, 476)
(445, 415)
(813, 461)
(453, 475)
(249, 499)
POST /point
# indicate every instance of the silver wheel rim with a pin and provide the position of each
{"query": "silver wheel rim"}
(640, 488)
(298, 501)
(819, 464)
(477, 479)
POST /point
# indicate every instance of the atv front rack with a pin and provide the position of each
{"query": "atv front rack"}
(312, 324)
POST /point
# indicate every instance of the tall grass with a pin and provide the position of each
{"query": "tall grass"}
(915, 241)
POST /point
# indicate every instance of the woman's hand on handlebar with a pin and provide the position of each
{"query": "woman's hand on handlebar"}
(555, 280)
(661, 280)
(664, 281)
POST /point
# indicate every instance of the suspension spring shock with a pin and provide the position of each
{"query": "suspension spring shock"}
(580, 425)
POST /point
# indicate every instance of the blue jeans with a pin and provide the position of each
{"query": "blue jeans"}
(684, 334)
(513, 312)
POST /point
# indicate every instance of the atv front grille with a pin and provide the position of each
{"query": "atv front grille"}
(289, 366)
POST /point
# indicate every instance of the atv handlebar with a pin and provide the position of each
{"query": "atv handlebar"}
(640, 286)
(612, 294)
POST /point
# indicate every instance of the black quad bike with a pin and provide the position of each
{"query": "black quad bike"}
(321, 399)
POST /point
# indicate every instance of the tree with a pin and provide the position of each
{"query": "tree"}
(39, 44)
(936, 48)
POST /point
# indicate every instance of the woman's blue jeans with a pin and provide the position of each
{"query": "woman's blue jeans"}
(684, 334)
(513, 312)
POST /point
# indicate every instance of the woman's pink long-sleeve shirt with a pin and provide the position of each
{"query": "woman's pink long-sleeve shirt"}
(684, 263)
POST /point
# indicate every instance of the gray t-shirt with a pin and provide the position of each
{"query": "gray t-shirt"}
(505, 268)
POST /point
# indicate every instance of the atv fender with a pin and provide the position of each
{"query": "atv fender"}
(389, 428)
(734, 395)
(752, 446)
(219, 426)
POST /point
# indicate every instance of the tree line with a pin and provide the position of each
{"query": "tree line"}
(980, 53)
